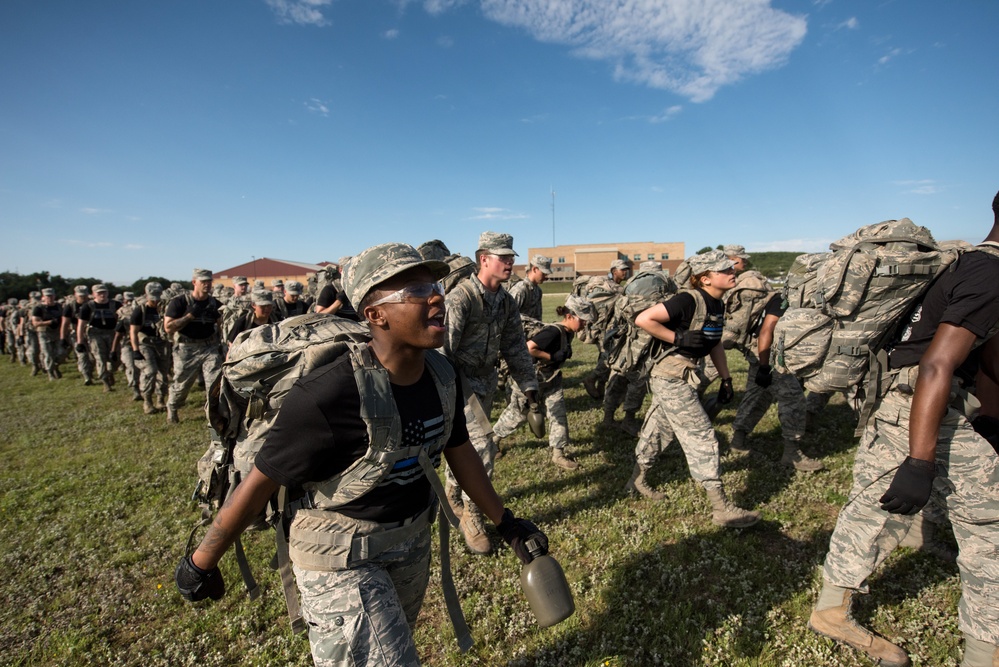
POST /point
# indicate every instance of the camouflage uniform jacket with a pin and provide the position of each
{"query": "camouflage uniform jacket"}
(482, 326)
(528, 298)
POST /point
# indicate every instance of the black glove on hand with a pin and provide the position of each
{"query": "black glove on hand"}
(516, 532)
(988, 428)
(81, 348)
(559, 357)
(196, 584)
(725, 392)
(690, 340)
(910, 488)
(138, 356)
(764, 376)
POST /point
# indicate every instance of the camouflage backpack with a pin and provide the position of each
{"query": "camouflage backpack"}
(631, 348)
(232, 312)
(801, 280)
(744, 305)
(862, 290)
(682, 275)
(243, 403)
(328, 275)
(461, 268)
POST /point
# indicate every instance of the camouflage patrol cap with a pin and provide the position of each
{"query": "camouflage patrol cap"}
(373, 266)
(99, 287)
(715, 260)
(434, 249)
(277, 282)
(293, 287)
(620, 264)
(580, 307)
(542, 263)
(128, 296)
(202, 275)
(258, 284)
(496, 243)
(154, 290)
(735, 251)
(80, 289)
(176, 287)
(261, 297)
(48, 291)
(650, 265)
(240, 280)
(12, 301)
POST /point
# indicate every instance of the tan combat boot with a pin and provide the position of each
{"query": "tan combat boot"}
(608, 417)
(638, 484)
(474, 530)
(160, 402)
(136, 394)
(738, 444)
(172, 417)
(147, 405)
(593, 388)
(630, 423)
(725, 514)
(836, 623)
(562, 461)
(794, 458)
(978, 653)
(453, 494)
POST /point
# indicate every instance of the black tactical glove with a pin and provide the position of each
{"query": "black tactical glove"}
(559, 357)
(725, 392)
(690, 340)
(81, 348)
(516, 532)
(988, 428)
(138, 356)
(910, 488)
(764, 376)
(196, 584)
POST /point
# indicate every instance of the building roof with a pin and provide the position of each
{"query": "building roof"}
(267, 266)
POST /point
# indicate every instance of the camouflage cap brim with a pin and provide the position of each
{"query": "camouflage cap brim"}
(375, 265)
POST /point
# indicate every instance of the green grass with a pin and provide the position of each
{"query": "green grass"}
(96, 511)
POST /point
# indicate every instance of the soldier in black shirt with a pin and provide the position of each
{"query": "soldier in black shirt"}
(96, 324)
(150, 349)
(46, 319)
(70, 317)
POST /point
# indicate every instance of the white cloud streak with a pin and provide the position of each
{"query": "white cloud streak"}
(689, 47)
(792, 245)
(920, 187)
(300, 12)
(318, 106)
(493, 213)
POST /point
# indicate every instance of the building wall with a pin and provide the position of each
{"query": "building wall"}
(595, 259)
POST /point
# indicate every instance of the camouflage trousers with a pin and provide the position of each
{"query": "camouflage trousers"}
(32, 349)
(552, 395)
(785, 389)
(49, 349)
(364, 615)
(132, 371)
(100, 347)
(155, 367)
(479, 432)
(85, 363)
(11, 336)
(627, 390)
(965, 489)
(189, 361)
(676, 410)
(601, 372)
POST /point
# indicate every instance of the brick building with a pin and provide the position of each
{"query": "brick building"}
(267, 269)
(594, 259)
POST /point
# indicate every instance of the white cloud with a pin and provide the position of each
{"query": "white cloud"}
(440, 6)
(88, 244)
(302, 12)
(657, 188)
(850, 24)
(94, 211)
(493, 213)
(391, 34)
(317, 106)
(667, 114)
(445, 42)
(536, 118)
(690, 47)
(792, 245)
(920, 187)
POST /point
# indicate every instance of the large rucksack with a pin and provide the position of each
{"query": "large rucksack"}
(802, 279)
(461, 268)
(862, 290)
(744, 306)
(263, 365)
(629, 347)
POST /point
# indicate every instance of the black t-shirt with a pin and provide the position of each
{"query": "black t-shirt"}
(549, 340)
(328, 296)
(319, 432)
(51, 312)
(681, 309)
(146, 317)
(102, 316)
(284, 310)
(246, 322)
(775, 306)
(72, 311)
(206, 314)
(966, 296)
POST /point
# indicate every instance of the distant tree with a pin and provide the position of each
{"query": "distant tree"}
(139, 286)
(706, 248)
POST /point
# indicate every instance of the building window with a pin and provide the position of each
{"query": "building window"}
(638, 257)
(665, 255)
(561, 260)
(651, 256)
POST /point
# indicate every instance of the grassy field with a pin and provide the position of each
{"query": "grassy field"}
(96, 512)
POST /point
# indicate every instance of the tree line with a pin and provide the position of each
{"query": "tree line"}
(15, 285)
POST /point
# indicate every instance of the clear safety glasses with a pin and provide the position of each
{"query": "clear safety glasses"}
(416, 291)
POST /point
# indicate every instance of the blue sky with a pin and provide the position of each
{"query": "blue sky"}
(149, 137)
